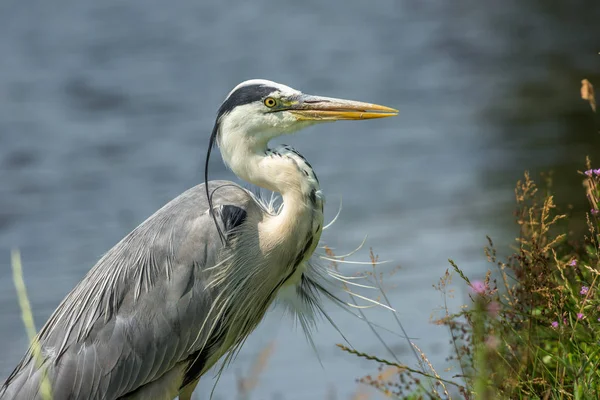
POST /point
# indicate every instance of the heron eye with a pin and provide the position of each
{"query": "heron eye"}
(270, 102)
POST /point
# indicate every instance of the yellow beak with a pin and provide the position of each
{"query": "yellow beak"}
(317, 108)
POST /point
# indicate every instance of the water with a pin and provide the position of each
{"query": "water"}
(107, 107)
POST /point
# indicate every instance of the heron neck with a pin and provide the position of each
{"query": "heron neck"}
(283, 170)
(280, 169)
(295, 230)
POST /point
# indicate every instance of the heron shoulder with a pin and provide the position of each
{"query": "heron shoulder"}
(231, 203)
(229, 200)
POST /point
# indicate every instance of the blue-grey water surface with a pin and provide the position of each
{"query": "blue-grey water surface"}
(106, 108)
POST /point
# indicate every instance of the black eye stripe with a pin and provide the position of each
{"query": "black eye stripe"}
(245, 95)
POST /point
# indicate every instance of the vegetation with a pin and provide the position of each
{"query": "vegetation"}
(532, 328)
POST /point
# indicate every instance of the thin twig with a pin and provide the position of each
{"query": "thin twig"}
(401, 367)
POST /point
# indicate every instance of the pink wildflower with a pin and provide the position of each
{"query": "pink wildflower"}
(478, 287)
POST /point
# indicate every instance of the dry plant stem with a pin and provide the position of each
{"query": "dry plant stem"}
(587, 93)
(374, 260)
(452, 336)
(437, 376)
(334, 265)
(401, 367)
(27, 316)
(248, 384)
(379, 285)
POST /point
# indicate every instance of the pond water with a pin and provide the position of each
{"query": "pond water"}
(106, 109)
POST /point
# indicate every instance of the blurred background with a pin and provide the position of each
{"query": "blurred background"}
(106, 108)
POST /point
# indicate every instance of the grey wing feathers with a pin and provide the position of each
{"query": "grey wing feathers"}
(132, 318)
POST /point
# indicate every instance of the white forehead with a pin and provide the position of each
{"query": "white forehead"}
(286, 90)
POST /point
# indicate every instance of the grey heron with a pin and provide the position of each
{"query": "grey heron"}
(188, 285)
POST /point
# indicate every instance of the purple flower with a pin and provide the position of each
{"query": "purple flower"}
(594, 211)
(589, 172)
(580, 315)
(572, 263)
(584, 290)
(597, 172)
(478, 287)
(555, 324)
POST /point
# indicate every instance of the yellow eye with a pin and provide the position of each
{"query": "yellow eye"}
(270, 102)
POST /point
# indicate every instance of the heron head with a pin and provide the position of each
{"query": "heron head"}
(259, 110)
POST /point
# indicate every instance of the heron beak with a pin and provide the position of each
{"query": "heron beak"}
(317, 108)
